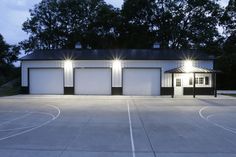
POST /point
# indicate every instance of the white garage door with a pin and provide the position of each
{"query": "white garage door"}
(93, 81)
(46, 81)
(141, 82)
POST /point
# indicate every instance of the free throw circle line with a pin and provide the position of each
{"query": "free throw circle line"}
(41, 125)
(17, 118)
(27, 127)
(216, 124)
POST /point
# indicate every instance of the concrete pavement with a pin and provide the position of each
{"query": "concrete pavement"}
(71, 126)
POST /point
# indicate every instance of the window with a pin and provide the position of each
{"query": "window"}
(207, 82)
(201, 80)
(196, 80)
(190, 81)
(178, 82)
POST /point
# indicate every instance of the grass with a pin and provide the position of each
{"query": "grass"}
(10, 88)
(233, 95)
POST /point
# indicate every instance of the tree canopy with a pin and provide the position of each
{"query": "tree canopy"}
(8, 53)
(176, 24)
(61, 23)
(227, 60)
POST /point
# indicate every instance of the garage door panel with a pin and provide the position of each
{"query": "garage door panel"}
(46, 81)
(141, 82)
(93, 81)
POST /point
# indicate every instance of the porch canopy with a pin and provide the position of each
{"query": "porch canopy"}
(194, 70)
(191, 70)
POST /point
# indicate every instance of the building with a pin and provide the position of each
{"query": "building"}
(149, 72)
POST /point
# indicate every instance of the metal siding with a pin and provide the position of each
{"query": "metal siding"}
(117, 74)
(24, 75)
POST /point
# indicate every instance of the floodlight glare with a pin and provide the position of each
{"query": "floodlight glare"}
(68, 64)
(116, 64)
(188, 65)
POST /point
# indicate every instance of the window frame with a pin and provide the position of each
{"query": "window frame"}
(207, 80)
(176, 82)
(190, 82)
(201, 81)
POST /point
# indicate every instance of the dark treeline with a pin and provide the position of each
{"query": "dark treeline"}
(175, 24)
(8, 54)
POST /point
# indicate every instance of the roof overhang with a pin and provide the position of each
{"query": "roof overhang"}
(193, 69)
(122, 54)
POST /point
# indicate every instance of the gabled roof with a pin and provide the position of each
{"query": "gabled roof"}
(192, 70)
(124, 54)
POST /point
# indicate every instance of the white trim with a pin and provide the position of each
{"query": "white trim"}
(131, 131)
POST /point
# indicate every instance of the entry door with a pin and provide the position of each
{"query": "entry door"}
(178, 86)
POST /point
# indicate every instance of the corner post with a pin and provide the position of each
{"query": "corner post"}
(214, 84)
(194, 85)
(172, 82)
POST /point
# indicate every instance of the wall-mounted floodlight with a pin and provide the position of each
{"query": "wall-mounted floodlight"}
(68, 64)
(116, 64)
(188, 65)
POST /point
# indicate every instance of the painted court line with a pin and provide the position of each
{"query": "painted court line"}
(12, 120)
(216, 124)
(20, 128)
(34, 128)
(145, 130)
(213, 115)
(27, 127)
(131, 130)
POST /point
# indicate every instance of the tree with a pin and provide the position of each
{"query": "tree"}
(43, 27)
(137, 29)
(176, 24)
(228, 19)
(204, 17)
(227, 62)
(62, 23)
(103, 31)
(8, 54)
(76, 18)
(170, 24)
(188, 24)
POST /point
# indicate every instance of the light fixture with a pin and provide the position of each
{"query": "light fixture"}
(188, 65)
(116, 64)
(68, 64)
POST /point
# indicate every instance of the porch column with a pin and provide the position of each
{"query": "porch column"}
(194, 85)
(214, 84)
(172, 82)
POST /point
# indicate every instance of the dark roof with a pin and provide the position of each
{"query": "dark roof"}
(124, 54)
(193, 70)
